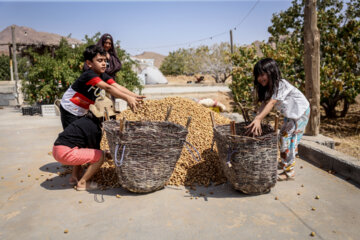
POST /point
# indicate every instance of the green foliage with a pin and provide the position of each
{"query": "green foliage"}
(339, 50)
(49, 77)
(174, 63)
(244, 59)
(127, 77)
(5, 67)
(214, 60)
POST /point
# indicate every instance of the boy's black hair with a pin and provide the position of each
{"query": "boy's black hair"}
(92, 50)
(269, 67)
(95, 119)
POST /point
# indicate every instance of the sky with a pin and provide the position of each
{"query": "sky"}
(157, 26)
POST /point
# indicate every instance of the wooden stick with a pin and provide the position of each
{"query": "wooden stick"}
(276, 122)
(244, 113)
(106, 114)
(232, 128)
(168, 113)
(122, 124)
(188, 122)
(212, 119)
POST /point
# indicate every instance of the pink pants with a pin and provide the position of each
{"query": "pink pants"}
(76, 156)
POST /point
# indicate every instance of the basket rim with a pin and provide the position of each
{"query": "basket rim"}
(242, 137)
(152, 122)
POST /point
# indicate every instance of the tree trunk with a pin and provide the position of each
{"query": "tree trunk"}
(329, 105)
(216, 77)
(345, 108)
(312, 66)
(329, 110)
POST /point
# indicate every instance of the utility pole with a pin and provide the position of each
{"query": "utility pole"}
(11, 65)
(231, 42)
(312, 66)
(15, 62)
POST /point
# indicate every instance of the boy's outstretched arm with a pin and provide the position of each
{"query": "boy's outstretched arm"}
(127, 91)
(131, 100)
(255, 126)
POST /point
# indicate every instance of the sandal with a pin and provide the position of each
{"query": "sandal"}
(280, 166)
(286, 176)
(90, 187)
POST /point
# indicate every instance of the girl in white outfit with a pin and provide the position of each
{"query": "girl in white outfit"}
(292, 104)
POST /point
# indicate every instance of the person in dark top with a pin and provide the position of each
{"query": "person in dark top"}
(113, 64)
(79, 144)
(84, 91)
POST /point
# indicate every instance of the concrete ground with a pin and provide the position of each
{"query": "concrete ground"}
(33, 208)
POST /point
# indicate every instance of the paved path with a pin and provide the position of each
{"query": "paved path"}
(39, 209)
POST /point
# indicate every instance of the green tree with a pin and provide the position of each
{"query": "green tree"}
(340, 49)
(127, 77)
(174, 63)
(244, 59)
(214, 60)
(5, 67)
(49, 77)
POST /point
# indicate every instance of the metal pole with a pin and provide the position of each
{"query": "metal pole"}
(15, 62)
(231, 42)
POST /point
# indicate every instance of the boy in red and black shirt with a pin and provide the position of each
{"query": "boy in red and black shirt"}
(84, 91)
(79, 144)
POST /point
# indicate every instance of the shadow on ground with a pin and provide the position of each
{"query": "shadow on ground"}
(53, 167)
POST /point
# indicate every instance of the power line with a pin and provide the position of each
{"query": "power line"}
(202, 39)
(242, 20)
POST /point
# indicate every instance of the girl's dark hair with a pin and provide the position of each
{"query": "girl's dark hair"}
(92, 50)
(269, 67)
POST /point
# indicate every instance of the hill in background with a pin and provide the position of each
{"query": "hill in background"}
(152, 55)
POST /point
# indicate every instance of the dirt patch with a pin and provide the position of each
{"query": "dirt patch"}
(222, 97)
(345, 130)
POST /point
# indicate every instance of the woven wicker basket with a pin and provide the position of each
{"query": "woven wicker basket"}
(249, 164)
(145, 153)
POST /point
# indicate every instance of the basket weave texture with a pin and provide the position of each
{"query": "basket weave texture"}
(147, 152)
(249, 164)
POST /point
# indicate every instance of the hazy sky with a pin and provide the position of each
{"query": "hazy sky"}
(158, 26)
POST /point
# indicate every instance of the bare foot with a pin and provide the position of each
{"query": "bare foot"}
(76, 174)
(86, 186)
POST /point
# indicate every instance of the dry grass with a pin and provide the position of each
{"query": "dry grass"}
(345, 131)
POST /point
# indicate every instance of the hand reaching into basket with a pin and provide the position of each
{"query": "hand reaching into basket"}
(254, 128)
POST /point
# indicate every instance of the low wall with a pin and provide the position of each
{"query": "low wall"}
(8, 93)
